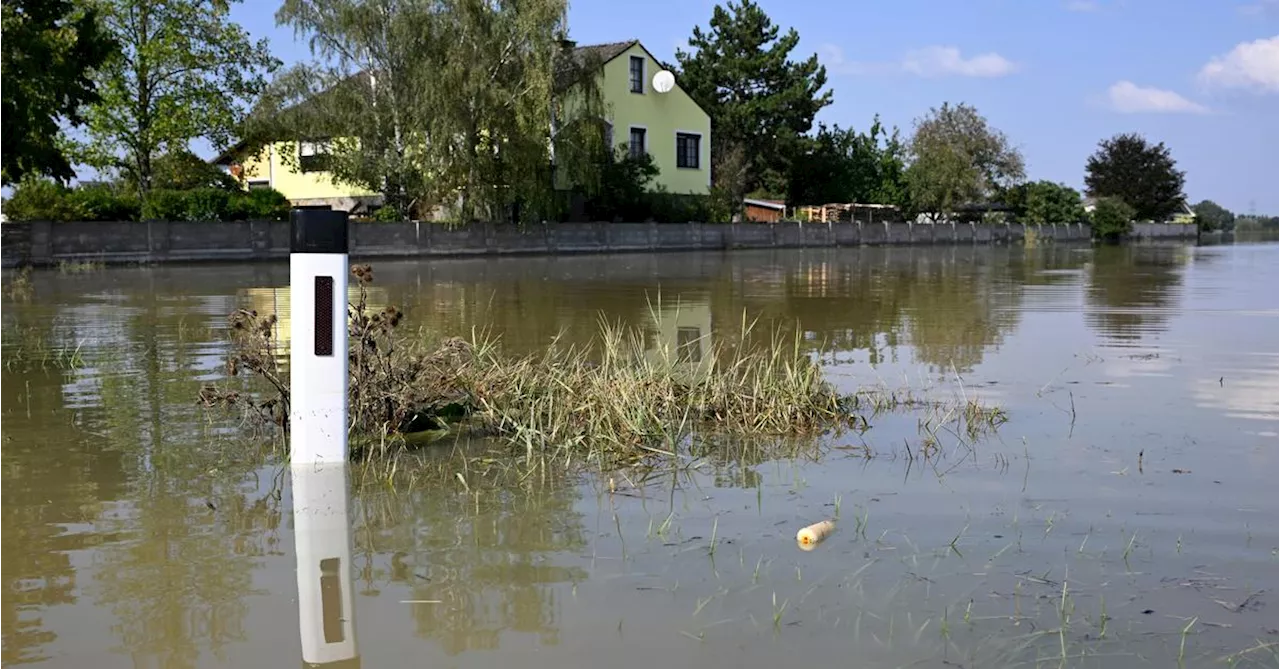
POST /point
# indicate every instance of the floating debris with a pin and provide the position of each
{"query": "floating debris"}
(809, 537)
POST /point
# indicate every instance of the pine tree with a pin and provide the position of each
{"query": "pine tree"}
(761, 103)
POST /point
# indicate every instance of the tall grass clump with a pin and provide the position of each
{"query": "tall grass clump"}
(613, 398)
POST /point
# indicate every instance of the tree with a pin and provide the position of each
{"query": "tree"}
(439, 103)
(184, 71)
(1212, 216)
(841, 165)
(1111, 218)
(1044, 202)
(761, 104)
(47, 60)
(957, 159)
(1143, 175)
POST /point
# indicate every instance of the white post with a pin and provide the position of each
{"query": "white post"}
(322, 541)
(318, 337)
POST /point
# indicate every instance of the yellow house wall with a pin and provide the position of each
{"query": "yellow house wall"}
(269, 165)
(662, 115)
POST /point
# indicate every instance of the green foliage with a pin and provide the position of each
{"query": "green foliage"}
(1111, 219)
(476, 79)
(261, 204)
(104, 202)
(624, 184)
(39, 199)
(1212, 216)
(184, 170)
(165, 205)
(50, 50)
(958, 159)
(208, 204)
(216, 204)
(1144, 175)
(761, 104)
(841, 165)
(1249, 223)
(387, 215)
(184, 71)
(1044, 202)
(47, 58)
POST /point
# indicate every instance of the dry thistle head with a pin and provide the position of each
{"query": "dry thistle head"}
(363, 272)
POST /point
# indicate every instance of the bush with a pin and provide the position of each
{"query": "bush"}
(1111, 218)
(208, 204)
(101, 202)
(165, 205)
(386, 214)
(667, 207)
(261, 204)
(216, 204)
(36, 199)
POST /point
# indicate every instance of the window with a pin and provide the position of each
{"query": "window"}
(637, 74)
(313, 156)
(688, 150)
(637, 142)
(608, 137)
(259, 184)
(689, 345)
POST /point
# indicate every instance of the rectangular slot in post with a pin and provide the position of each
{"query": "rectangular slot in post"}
(324, 315)
(331, 599)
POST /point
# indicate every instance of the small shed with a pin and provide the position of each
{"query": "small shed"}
(764, 211)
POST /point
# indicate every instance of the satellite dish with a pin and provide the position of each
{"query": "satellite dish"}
(664, 81)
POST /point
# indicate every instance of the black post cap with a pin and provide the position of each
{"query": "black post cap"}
(318, 230)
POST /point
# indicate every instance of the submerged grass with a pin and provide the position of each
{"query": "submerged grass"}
(615, 398)
(80, 266)
(20, 288)
(29, 348)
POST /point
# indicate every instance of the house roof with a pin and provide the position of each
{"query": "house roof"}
(565, 76)
(569, 70)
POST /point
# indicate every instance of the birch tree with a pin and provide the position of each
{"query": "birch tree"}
(439, 102)
(184, 71)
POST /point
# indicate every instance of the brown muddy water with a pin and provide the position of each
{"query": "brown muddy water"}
(1125, 516)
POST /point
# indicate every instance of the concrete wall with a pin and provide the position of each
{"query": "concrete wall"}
(43, 243)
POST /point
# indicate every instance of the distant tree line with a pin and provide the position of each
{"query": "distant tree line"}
(124, 86)
(763, 107)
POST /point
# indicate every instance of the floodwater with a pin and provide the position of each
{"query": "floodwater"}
(1126, 515)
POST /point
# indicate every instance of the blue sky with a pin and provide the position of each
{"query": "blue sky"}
(1057, 76)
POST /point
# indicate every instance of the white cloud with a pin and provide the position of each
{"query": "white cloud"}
(1253, 64)
(933, 61)
(946, 60)
(1127, 97)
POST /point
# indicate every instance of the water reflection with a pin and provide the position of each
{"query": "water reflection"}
(495, 558)
(275, 300)
(951, 305)
(1133, 290)
(177, 580)
(682, 333)
(124, 510)
(322, 542)
(56, 482)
